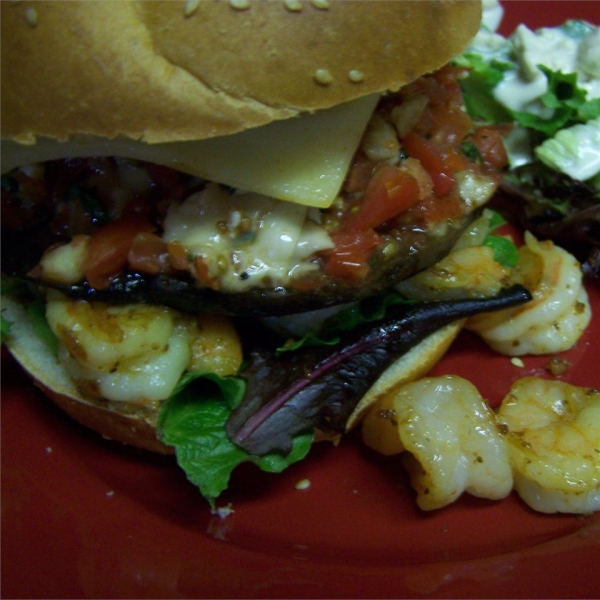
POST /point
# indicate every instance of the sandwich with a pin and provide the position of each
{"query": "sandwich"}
(206, 206)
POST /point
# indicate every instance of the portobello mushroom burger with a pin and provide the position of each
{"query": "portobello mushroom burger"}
(205, 206)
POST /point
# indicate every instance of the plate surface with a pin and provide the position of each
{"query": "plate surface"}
(82, 517)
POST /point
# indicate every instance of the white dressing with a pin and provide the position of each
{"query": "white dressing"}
(574, 151)
(246, 238)
(521, 61)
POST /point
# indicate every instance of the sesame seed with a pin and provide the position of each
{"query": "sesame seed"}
(303, 484)
(31, 16)
(293, 5)
(356, 76)
(517, 362)
(322, 4)
(190, 7)
(223, 511)
(323, 77)
(240, 4)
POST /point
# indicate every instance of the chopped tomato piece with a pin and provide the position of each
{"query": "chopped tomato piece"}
(488, 141)
(109, 247)
(389, 193)
(178, 256)
(148, 253)
(448, 76)
(308, 282)
(438, 210)
(350, 258)
(455, 161)
(203, 275)
(450, 124)
(432, 160)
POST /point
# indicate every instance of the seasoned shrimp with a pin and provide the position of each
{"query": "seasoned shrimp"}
(556, 317)
(553, 434)
(469, 269)
(138, 353)
(450, 436)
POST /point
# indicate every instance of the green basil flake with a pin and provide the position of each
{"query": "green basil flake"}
(505, 251)
(193, 421)
(470, 150)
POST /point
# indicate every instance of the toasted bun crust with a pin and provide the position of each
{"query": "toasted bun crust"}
(114, 420)
(177, 70)
(111, 420)
(413, 365)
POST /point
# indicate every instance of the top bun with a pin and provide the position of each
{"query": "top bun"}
(189, 70)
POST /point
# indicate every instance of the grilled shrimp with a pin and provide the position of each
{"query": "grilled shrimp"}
(553, 434)
(137, 353)
(450, 436)
(556, 317)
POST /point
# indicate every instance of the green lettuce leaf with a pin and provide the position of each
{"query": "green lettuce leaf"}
(568, 102)
(35, 308)
(505, 250)
(36, 311)
(193, 420)
(478, 87)
(366, 311)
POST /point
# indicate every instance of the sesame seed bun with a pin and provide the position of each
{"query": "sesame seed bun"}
(189, 70)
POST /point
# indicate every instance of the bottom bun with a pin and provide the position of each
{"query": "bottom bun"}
(416, 363)
(112, 420)
(117, 421)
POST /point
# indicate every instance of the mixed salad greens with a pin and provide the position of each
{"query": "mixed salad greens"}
(269, 413)
(546, 85)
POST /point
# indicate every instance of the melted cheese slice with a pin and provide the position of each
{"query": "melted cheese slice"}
(302, 160)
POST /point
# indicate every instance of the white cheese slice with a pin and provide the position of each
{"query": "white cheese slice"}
(303, 160)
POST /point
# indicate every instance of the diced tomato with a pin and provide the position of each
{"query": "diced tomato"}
(108, 249)
(432, 160)
(437, 210)
(450, 125)
(308, 282)
(389, 193)
(148, 253)
(178, 256)
(203, 275)
(448, 75)
(454, 161)
(350, 258)
(488, 141)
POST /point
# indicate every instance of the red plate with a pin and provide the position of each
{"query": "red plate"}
(82, 517)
